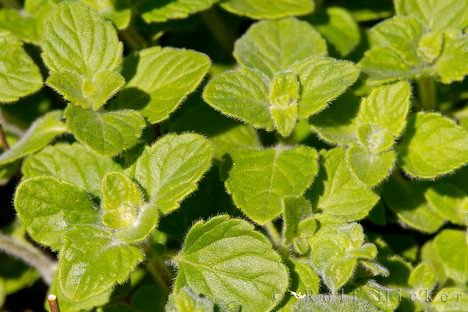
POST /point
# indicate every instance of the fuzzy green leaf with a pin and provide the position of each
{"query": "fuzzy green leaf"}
(437, 15)
(39, 135)
(274, 46)
(159, 79)
(118, 11)
(170, 169)
(107, 133)
(121, 200)
(124, 208)
(83, 54)
(260, 180)
(394, 54)
(243, 95)
(264, 9)
(370, 168)
(336, 250)
(19, 75)
(387, 107)
(452, 249)
(450, 65)
(176, 9)
(72, 163)
(322, 80)
(449, 201)
(406, 199)
(422, 277)
(338, 26)
(295, 210)
(329, 303)
(284, 95)
(417, 155)
(49, 207)
(450, 299)
(217, 258)
(338, 193)
(92, 261)
(184, 300)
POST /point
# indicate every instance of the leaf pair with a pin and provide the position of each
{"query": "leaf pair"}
(98, 248)
(84, 57)
(284, 77)
(425, 39)
(371, 129)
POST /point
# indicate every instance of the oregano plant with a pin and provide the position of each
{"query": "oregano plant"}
(236, 155)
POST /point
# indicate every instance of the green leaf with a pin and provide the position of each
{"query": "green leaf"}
(422, 277)
(72, 163)
(326, 303)
(19, 75)
(26, 24)
(406, 199)
(450, 66)
(124, 208)
(295, 210)
(338, 26)
(49, 207)
(417, 155)
(118, 11)
(449, 201)
(264, 9)
(107, 133)
(83, 54)
(176, 9)
(217, 258)
(243, 95)
(87, 93)
(374, 293)
(368, 167)
(394, 53)
(336, 250)
(274, 46)
(450, 299)
(184, 300)
(387, 107)
(260, 180)
(437, 15)
(375, 139)
(159, 79)
(121, 200)
(322, 80)
(337, 124)
(452, 249)
(338, 193)
(40, 134)
(170, 169)
(284, 95)
(92, 261)
(304, 282)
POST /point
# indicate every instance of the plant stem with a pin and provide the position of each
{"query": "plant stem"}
(427, 91)
(273, 233)
(29, 255)
(160, 274)
(53, 303)
(133, 39)
(219, 29)
(3, 139)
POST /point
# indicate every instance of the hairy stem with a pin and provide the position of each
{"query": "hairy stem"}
(219, 29)
(160, 274)
(273, 233)
(427, 93)
(3, 139)
(29, 255)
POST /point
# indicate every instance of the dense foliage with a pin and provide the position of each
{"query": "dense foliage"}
(237, 155)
